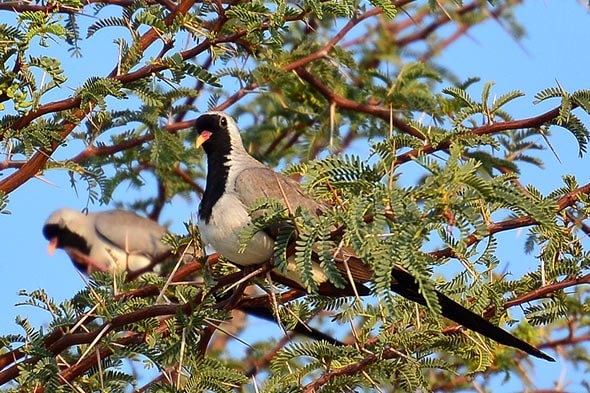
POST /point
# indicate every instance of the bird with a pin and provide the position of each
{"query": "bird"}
(117, 240)
(112, 240)
(235, 181)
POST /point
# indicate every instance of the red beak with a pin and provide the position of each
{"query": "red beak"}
(52, 245)
(202, 138)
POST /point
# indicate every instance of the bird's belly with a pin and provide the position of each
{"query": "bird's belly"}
(223, 230)
(105, 258)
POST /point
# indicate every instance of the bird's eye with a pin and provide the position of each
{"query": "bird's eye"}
(223, 122)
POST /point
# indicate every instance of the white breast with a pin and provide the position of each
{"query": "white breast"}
(229, 217)
(223, 234)
(110, 257)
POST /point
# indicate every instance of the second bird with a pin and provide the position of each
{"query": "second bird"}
(106, 241)
(117, 240)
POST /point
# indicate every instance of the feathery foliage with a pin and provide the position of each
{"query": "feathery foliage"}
(351, 97)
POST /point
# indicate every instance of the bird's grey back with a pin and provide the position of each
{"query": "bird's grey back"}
(253, 184)
(131, 232)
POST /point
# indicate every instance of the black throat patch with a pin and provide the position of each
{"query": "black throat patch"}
(218, 148)
(66, 238)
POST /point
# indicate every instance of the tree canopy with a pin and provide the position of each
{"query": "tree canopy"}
(310, 81)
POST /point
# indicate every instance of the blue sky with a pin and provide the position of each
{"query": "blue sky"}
(553, 51)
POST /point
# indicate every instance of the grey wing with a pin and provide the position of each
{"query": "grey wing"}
(255, 183)
(136, 234)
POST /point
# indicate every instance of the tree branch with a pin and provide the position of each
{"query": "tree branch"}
(567, 200)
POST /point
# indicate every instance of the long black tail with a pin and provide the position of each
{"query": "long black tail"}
(405, 285)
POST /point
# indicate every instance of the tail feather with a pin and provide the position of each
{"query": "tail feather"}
(405, 285)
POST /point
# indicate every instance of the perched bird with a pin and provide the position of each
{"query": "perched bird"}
(235, 180)
(108, 240)
(119, 240)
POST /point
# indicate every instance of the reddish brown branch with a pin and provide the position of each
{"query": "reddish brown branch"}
(443, 19)
(20, 6)
(460, 32)
(532, 122)
(59, 340)
(319, 54)
(350, 369)
(323, 52)
(39, 159)
(566, 341)
(187, 179)
(387, 354)
(269, 356)
(345, 103)
(565, 201)
(547, 290)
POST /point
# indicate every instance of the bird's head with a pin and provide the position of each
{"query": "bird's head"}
(217, 133)
(65, 229)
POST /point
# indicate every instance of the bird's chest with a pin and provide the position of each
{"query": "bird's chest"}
(107, 257)
(228, 219)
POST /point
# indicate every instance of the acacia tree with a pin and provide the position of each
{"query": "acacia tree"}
(309, 78)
